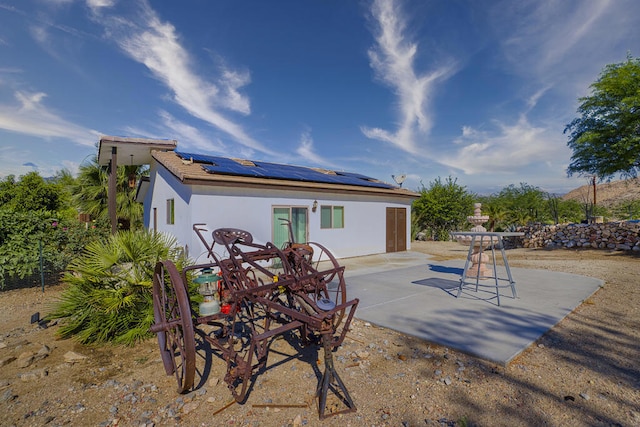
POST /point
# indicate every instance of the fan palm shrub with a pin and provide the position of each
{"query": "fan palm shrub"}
(108, 298)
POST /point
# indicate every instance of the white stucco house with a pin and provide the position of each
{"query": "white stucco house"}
(350, 214)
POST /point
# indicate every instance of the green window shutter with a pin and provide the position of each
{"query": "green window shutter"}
(325, 216)
(338, 217)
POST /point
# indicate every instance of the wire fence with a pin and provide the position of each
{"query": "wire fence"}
(38, 279)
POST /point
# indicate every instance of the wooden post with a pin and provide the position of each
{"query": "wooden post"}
(111, 193)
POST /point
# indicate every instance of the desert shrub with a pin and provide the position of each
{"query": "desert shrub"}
(109, 294)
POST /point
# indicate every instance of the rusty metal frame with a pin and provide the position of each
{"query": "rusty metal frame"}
(265, 301)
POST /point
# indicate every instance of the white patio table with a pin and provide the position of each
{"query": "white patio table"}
(480, 239)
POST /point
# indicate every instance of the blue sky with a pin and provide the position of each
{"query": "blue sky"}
(477, 90)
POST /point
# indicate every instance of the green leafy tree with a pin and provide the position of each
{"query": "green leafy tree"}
(570, 211)
(30, 193)
(25, 237)
(39, 230)
(605, 139)
(109, 296)
(7, 190)
(442, 208)
(627, 210)
(553, 203)
(21, 234)
(524, 204)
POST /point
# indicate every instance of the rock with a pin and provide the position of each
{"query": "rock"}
(297, 421)
(189, 407)
(447, 380)
(34, 375)
(73, 357)
(6, 361)
(585, 396)
(3, 344)
(42, 353)
(25, 359)
(362, 354)
(7, 396)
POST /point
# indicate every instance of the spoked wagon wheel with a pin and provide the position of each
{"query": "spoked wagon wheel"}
(332, 286)
(174, 325)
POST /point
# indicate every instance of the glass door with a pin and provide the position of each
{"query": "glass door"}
(299, 224)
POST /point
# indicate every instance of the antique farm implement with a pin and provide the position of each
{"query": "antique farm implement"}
(252, 294)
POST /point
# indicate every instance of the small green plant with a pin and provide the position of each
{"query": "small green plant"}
(108, 298)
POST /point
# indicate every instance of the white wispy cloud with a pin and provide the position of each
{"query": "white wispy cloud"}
(96, 5)
(507, 149)
(564, 43)
(156, 44)
(60, 2)
(307, 152)
(393, 61)
(190, 136)
(12, 161)
(18, 160)
(556, 49)
(30, 117)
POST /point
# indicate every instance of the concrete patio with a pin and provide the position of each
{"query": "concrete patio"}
(407, 292)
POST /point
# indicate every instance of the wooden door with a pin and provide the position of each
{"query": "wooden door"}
(396, 234)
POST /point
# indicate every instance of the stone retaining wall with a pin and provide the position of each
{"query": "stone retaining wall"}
(624, 236)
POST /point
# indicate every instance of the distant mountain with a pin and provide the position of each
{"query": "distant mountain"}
(608, 193)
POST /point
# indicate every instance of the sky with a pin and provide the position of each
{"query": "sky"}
(477, 90)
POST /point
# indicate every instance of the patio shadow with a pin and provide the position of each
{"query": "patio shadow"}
(448, 270)
(435, 282)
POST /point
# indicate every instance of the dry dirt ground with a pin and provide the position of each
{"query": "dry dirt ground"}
(584, 372)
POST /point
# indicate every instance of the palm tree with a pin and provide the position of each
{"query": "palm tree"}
(521, 217)
(497, 215)
(109, 294)
(90, 194)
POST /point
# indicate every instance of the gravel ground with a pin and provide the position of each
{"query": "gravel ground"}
(584, 372)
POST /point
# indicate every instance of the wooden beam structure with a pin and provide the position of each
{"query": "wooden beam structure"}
(111, 193)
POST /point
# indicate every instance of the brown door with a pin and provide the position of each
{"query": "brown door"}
(396, 229)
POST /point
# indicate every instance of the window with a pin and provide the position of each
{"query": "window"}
(170, 211)
(331, 216)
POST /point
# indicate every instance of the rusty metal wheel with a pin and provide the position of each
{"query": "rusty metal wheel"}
(332, 286)
(174, 324)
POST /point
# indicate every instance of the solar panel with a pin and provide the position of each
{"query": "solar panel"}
(226, 166)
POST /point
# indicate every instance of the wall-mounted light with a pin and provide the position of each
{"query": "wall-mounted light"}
(314, 207)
